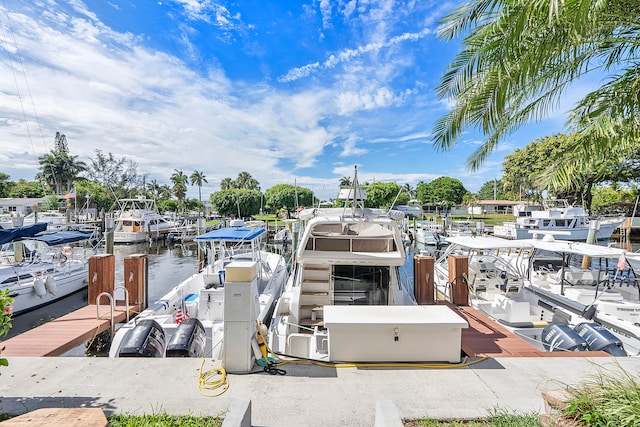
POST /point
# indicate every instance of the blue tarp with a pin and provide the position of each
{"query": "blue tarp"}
(19, 233)
(231, 234)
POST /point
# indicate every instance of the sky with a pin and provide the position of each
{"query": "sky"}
(293, 92)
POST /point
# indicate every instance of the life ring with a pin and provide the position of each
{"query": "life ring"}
(66, 250)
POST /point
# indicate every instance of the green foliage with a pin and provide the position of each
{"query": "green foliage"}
(163, 420)
(611, 399)
(244, 180)
(24, 188)
(5, 319)
(443, 189)
(98, 195)
(51, 203)
(605, 199)
(5, 184)
(486, 192)
(228, 202)
(282, 195)
(383, 194)
(496, 418)
(167, 205)
(119, 175)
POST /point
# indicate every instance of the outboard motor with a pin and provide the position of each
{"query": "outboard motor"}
(599, 338)
(188, 340)
(146, 339)
(560, 337)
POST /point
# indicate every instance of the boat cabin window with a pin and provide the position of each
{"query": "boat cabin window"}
(360, 285)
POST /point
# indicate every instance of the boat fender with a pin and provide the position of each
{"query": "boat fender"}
(39, 287)
(50, 284)
(66, 250)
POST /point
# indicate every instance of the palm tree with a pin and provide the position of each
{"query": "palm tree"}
(245, 180)
(408, 188)
(345, 182)
(226, 183)
(59, 170)
(179, 180)
(198, 178)
(519, 58)
(154, 188)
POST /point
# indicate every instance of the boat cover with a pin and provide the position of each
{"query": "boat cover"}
(19, 233)
(62, 237)
(231, 234)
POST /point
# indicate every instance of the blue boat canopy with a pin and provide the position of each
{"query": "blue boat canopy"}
(38, 232)
(231, 234)
(53, 238)
(19, 233)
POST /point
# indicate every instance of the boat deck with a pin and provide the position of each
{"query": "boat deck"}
(64, 333)
(486, 338)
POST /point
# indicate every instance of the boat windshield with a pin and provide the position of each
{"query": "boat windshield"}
(361, 285)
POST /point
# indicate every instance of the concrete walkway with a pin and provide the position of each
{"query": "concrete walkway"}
(306, 396)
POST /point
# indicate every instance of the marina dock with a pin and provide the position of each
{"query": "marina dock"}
(61, 335)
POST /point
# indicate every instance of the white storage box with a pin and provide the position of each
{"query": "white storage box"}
(394, 333)
(241, 271)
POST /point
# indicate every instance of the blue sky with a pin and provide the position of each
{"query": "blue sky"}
(289, 91)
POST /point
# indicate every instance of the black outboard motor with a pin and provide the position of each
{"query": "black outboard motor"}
(599, 338)
(560, 337)
(188, 340)
(146, 339)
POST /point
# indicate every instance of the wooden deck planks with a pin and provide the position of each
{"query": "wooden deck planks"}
(487, 338)
(62, 334)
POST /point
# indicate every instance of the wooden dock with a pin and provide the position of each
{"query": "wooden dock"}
(487, 338)
(61, 335)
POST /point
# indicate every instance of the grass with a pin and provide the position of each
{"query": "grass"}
(496, 418)
(606, 400)
(163, 420)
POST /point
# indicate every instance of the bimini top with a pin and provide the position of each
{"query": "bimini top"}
(231, 234)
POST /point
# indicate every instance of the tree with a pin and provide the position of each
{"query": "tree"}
(226, 184)
(234, 202)
(5, 184)
(492, 190)
(409, 190)
(24, 188)
(5, 319)
(198, 178)
(345, 181)
(179, 180)
(449, 191)
(520, 57)
(245, 180)
(59, 169)
(118, 175)
(383, 195)
(287, 195)
(154, 188)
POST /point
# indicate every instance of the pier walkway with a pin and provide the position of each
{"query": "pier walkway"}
(64, 333)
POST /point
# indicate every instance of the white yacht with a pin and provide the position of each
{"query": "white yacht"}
(566, 222)
(347, 298)
(138, 221)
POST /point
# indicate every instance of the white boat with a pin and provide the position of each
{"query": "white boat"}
(500, 285)
(183, 231)
(138, 221)
(347, 299)
(39, 267)
(55, 220)
(199, 317)
(429, 234)
(566, 222)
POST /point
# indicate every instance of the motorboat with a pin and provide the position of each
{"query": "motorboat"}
(39, 267)
(566, 222)
(347, 298)
(55, 220)
(183, 231)
(215, 310)
(499, 282)
(138, 220)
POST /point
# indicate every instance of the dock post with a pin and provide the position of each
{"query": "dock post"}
(109, 225)
(458, 278)
(102, 275)
(423, 289)
(135, 279)
(201, 225)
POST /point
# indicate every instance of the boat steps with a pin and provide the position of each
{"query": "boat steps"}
(310, 323)
(315, 298)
